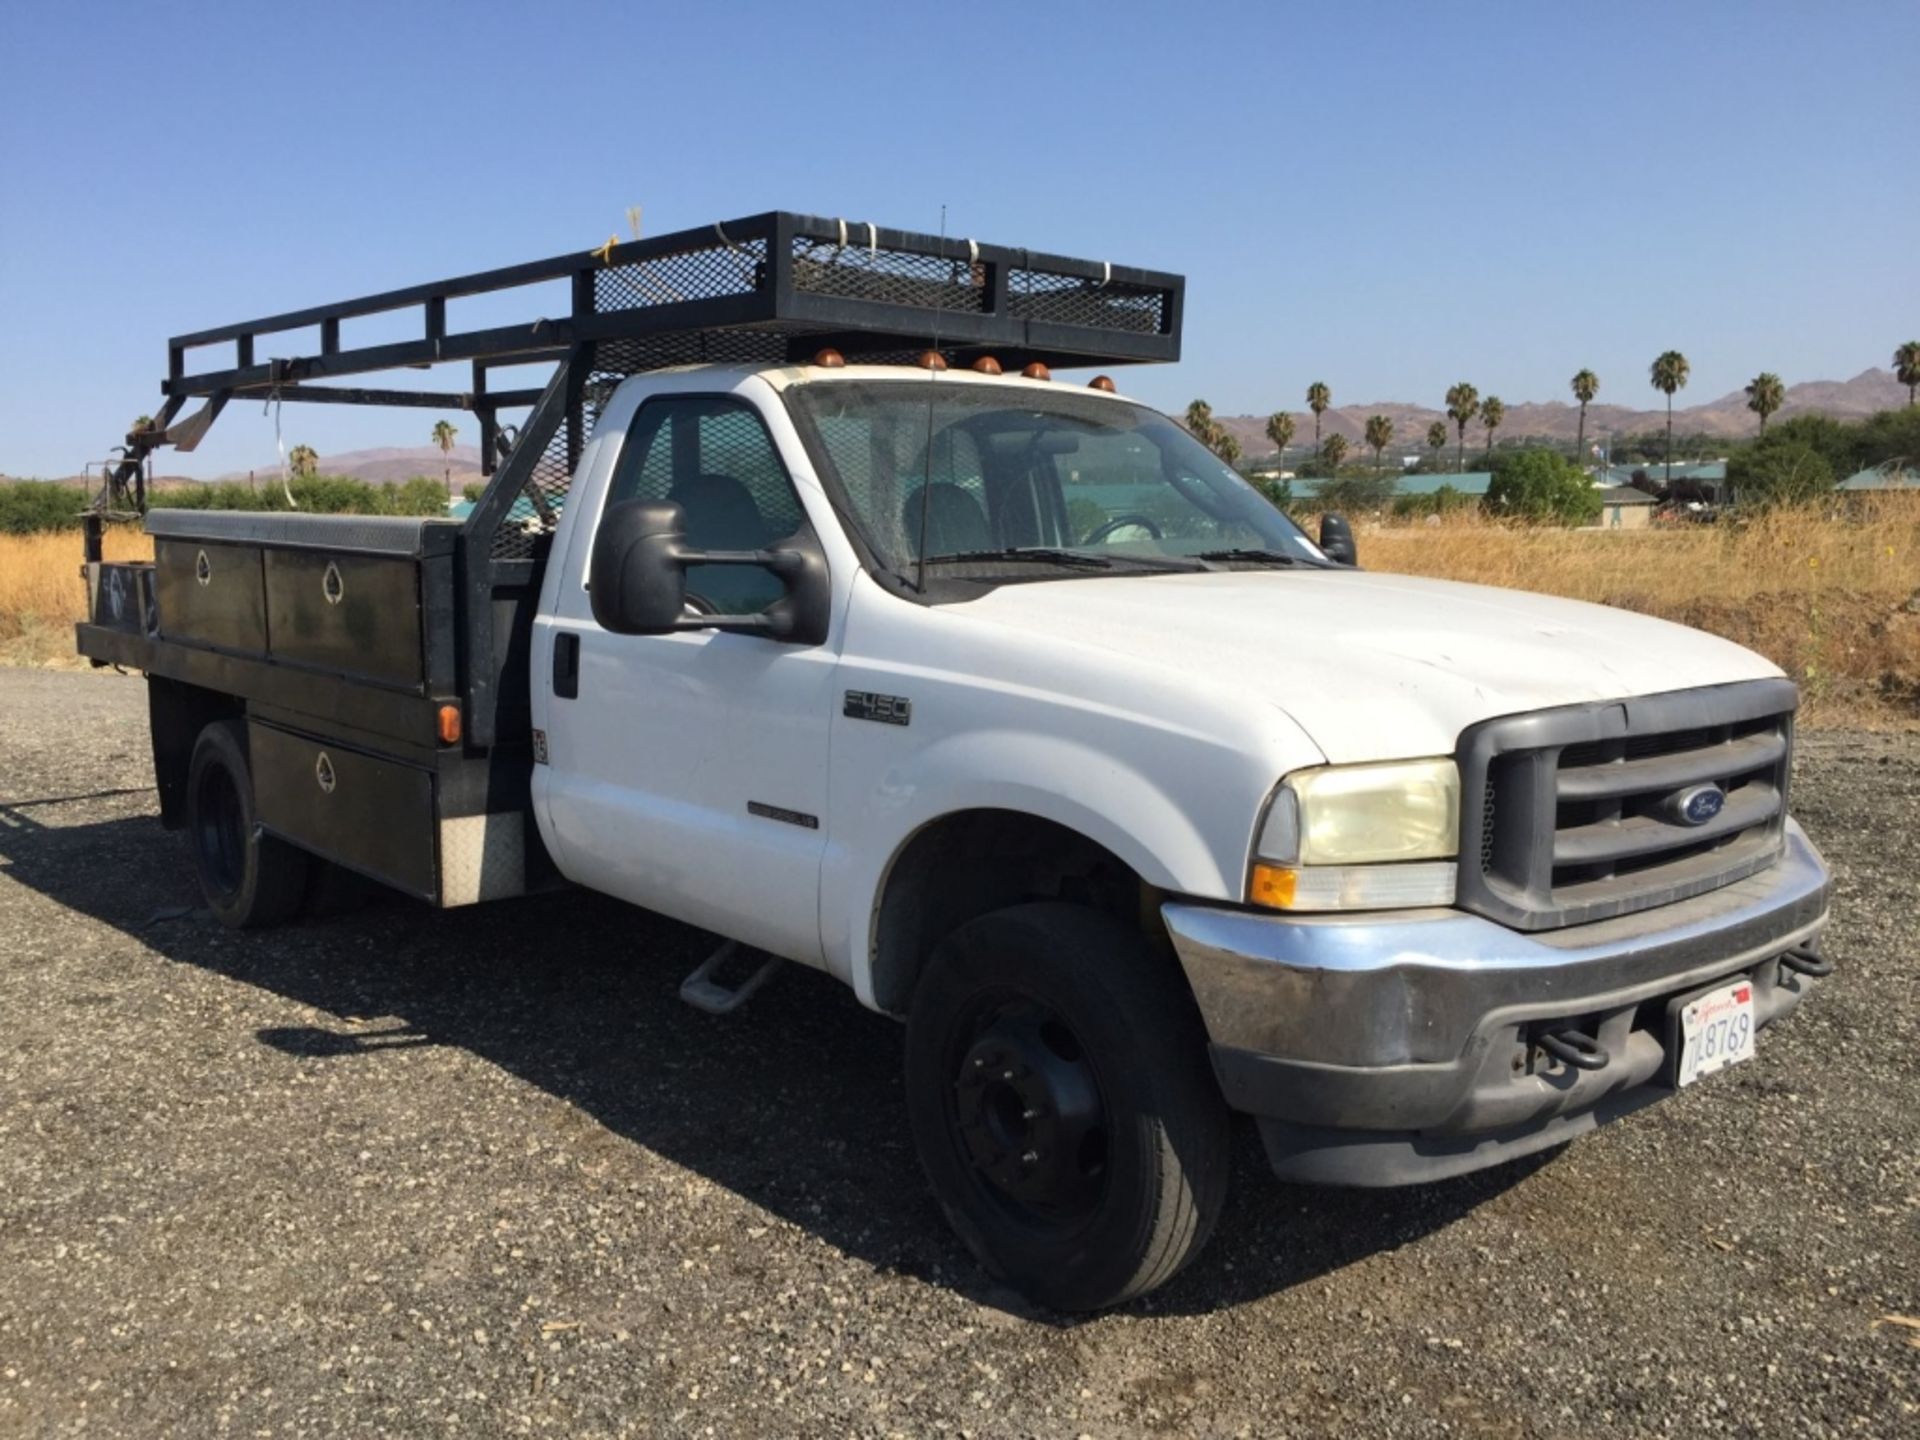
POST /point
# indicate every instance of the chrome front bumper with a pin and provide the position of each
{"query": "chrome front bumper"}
(1387, 1048)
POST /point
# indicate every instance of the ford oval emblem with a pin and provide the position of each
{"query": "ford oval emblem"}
(1697, 804)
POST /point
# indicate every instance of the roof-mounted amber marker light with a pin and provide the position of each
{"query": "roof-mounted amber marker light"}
(986, 365)
(828, 358)
(1101, 382)
(931, 360)
(1037, 371)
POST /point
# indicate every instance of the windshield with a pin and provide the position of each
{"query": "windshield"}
(998, 475)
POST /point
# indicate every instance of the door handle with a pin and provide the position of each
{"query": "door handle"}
(566, 665)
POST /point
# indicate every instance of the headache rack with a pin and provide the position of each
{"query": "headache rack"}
(773, 288)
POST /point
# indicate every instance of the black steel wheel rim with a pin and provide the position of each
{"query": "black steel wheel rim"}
(1027, 1112)
(219, 830)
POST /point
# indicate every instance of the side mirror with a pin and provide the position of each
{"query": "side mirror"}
(1336, 538)
(638, 583)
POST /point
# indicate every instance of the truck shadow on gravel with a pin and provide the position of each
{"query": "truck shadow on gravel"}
(793, 1102)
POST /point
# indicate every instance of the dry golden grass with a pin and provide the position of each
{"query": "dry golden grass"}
(1832, 599)
(42, 594)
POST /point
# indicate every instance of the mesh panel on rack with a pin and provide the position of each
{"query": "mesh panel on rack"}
(894, 277)
(537, 509)
(706, 273)
(695, 347)
(1070, 300)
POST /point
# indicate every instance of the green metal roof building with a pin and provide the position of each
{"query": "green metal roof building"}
(1474, 482)
(1891, 476)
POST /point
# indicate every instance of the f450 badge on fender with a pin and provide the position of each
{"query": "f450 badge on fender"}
(887, 709)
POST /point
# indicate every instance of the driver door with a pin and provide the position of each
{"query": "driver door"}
(688, 772)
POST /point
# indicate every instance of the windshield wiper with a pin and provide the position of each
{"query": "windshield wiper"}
(1033, 553)
(1258, 557)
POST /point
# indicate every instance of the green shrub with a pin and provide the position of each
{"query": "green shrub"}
(1355, 492)
(1542, 486)
(1442, 501)
(316, 495)
(1779, 470)
(1849, 446)
(1836, 443)
(30, 506)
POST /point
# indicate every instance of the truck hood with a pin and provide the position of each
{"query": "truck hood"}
(1372, 666)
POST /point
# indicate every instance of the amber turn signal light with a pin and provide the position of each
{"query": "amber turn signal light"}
(449, 725)
(1273, 886)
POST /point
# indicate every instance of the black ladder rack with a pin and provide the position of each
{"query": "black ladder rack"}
(767, 289)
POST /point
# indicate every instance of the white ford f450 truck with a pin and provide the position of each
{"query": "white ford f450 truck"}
(804, 605)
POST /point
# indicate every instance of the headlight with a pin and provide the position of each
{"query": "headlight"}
(1360, 837)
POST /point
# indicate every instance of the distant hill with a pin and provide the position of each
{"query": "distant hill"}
(391, 465)
(1726, 418)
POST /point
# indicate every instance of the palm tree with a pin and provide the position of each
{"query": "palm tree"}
(1463, 403)
(304, 461)
(1492, 412)
(1319, 397)
(1586, 385)
(1436, 441)
(1906, 367)
(1766, 393)
(1669, 374)
(443, 433)
(1335, 449)
(1210, 432)
(1280, 432)
(1379, 436)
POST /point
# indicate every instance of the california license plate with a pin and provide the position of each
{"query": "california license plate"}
(1716, 1030)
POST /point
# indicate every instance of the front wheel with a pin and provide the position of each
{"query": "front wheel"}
(1063, 1106)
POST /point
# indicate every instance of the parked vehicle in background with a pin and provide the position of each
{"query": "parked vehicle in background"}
(807, 608)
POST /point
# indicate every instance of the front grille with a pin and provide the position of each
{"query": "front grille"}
(1587, 825)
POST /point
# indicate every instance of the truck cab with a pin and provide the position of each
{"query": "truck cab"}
(1003, 701)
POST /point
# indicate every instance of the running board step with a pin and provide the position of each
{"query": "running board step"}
(702, 991)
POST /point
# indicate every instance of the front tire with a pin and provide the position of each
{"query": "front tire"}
(250, 879)
(1063, 1105)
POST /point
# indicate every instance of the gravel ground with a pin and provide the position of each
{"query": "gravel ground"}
(407, 1173)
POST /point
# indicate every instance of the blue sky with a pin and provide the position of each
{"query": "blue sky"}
(1387, 197)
